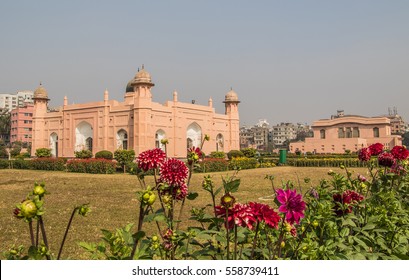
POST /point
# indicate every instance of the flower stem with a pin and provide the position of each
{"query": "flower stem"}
(255, 240)
(45, 240)
(140, 223)
(227, 234)
(235, 243)
(66, 232)
(30, 225)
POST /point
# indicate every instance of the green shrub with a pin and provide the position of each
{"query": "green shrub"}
(93, 166)
(243, 163)
(43, 152)
(124, 157)
(249, 152)
(54, 164)
(83, 154)
(217, 155)
(4, 163)
(213, 165)
(3, 152)
(104, 154)
(21, 164)
(234, 154)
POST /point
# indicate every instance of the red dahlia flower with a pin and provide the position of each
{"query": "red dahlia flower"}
(264, 213)
(400, 152)
(291, 204)
(151, 159)
(173, 172)
(364, 154)
(386, 159)
(376, 149)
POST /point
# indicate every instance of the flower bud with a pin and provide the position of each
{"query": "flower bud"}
(83, 210)
(207, 137)
(315, 224)
(282, 244)
(228, 200)
(28, 209)
(39, 190)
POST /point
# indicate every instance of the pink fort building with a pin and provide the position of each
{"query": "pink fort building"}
(137, 123)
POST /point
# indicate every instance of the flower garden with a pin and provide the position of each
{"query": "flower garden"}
(350, 216)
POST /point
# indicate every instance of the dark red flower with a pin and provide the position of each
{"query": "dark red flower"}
(386, 159)
(344, 202)
(173, 172)
(264, 213)
(364, 154)
(400, 152)
(376, 149)
(291, 204)
(151, 159)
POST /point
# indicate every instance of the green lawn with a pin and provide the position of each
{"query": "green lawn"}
(113, 201)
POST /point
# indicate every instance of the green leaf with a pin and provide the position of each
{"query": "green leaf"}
(232, 186)
(344, 232)
(192, 195)
(369, 227)
(139, 235)
(348, 222)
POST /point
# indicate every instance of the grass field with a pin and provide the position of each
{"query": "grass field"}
(113, 201)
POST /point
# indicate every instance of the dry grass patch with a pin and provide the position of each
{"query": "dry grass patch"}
(113, 201)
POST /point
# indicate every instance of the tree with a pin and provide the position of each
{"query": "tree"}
(5, 124)
(405, 139)
(124, 157)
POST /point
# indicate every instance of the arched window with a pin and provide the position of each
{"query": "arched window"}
(322, 133)
(54, 144)
(376, 132)
(122, 139)
(159, 136)
(194, 133)
(83, 136)
(219, 143)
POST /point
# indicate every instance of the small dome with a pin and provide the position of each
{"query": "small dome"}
(231, 96)
(41, 93)
(143, 76)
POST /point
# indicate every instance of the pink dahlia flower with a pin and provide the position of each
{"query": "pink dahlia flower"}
(364, 154)
(376, 149)
(173, 172)
(386, 159)
(291, 204)
(400, 152)
(151, 159)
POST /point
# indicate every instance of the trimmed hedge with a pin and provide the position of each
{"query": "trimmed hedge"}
(54, 164)
(93, 166)
(20, 164)
(4, 164)
(327, 162)
(243, 163)
(213, 165)
(104, 154)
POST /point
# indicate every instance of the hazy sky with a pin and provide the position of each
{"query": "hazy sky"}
(288, 61)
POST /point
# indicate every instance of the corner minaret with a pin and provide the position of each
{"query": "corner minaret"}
(231, 102)
(40, 109)
(142, 84)
(40, 100)
(142, 111)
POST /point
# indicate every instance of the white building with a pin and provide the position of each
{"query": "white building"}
(10, 101)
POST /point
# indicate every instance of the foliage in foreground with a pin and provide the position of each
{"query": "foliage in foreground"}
(351, 216)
